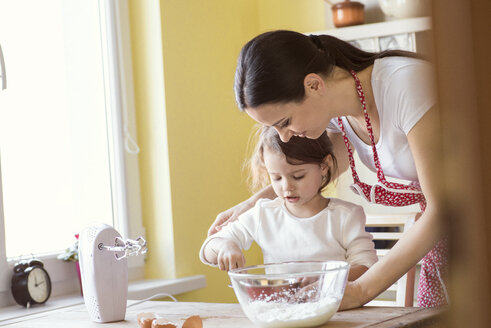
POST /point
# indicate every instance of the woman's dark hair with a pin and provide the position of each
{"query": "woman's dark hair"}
(297, 151)
(272, 66)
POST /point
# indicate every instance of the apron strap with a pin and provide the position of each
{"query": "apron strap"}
(350, 152)
(380, 172)
(361, 95)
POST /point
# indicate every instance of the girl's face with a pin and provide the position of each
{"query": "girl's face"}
(298, 185)
(303, 119)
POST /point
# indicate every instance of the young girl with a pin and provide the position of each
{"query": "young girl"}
(300, 224)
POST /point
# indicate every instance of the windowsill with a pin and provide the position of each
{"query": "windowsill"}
(137, 290)
(142, 289)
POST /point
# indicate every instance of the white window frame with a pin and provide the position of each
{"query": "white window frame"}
(125, 181)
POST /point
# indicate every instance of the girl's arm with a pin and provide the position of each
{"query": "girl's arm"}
(225, 253)
(232, 214)
(360, 249)
(423, 235)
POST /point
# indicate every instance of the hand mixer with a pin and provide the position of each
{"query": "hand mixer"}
(104, 271)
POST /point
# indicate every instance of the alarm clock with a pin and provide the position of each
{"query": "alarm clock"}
(31, 283)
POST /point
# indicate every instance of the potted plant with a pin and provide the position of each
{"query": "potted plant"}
(71, 255)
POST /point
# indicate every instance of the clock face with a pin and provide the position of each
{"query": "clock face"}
(38, 285)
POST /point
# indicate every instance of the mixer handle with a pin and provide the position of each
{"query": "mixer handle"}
(129, 247)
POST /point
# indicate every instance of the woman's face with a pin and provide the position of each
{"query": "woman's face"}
(303, 119)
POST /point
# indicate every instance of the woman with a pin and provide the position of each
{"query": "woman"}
(380, 104)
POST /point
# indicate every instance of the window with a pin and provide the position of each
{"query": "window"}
(66, 151)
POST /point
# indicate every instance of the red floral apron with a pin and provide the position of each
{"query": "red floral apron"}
(434, 267)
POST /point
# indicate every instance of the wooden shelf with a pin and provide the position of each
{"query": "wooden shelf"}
(364, 31)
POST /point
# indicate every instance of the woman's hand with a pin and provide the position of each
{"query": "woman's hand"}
(233, 213)
(230, 215)
(353, 296)
(230, 256)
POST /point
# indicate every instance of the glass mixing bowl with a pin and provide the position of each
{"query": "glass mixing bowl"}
(292, 294)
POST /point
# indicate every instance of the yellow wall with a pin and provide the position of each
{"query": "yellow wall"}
(299, 15)
(188, 98)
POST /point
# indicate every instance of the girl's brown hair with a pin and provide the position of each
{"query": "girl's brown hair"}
(297, 151)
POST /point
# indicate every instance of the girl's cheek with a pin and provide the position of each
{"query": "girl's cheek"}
(276, 186)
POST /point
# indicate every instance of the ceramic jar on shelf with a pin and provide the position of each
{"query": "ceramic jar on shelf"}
(347, 13)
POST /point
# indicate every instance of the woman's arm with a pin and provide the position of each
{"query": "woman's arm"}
(340, 153)
(232, 214)
(356, 271)
(422, 236)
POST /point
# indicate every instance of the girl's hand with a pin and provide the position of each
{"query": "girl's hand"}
(307, 287)
(230, 257)
(230, 215)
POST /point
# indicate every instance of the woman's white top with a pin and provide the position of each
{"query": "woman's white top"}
(335, 233)
(404, 91)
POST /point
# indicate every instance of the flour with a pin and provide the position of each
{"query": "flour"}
(275, 315)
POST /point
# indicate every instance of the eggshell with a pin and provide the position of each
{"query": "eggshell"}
(162, 323)
(145, 319)
(193, 322)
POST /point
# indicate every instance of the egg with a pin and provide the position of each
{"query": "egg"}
(193, 322)
(162, 323)
(145, 319)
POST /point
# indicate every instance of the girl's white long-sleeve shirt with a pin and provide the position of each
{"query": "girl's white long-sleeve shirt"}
(335, 233)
